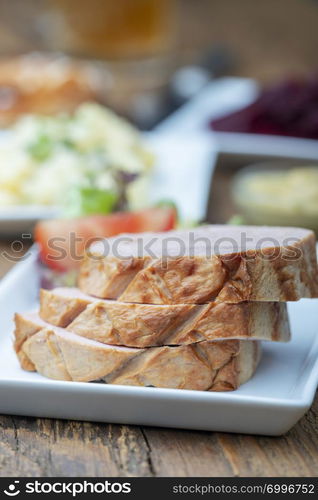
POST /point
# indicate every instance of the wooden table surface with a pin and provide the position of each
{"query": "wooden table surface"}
(43, 447)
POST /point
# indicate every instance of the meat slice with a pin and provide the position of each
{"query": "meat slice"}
(208, 366)
(226, 263)
(142, 325)
(25, 326)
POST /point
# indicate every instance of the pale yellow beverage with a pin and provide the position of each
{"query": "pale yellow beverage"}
(111, 29)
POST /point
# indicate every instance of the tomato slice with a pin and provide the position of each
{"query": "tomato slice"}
(62, 242)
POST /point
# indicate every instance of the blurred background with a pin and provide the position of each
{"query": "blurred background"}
(259, 35)
(224, 93)
(143, 42)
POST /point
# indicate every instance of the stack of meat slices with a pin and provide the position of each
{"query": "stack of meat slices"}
(183, 309)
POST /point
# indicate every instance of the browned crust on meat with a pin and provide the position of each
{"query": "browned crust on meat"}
(142, 325)
(62, 355)
(272, 274)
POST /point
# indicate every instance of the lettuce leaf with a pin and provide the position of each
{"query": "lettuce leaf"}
(90, 201)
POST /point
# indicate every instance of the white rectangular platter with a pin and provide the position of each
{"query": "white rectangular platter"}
(271, 403)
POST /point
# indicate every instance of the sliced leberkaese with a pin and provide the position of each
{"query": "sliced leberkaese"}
(146, 325)
(217, 262)
(60, 354)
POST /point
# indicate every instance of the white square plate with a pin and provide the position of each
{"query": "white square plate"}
(271, 403)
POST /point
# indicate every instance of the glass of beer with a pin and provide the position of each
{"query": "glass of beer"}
(133, 42)
(112, 29)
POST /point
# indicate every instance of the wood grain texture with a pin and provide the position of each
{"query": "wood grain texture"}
(43, 447)
(47, 447)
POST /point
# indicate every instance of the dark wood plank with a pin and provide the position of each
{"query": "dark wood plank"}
(185, 453)
(294, 454)
(43, 447)
(11, 253)
(46, 447)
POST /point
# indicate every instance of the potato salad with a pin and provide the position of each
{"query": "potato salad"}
(89, 162)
